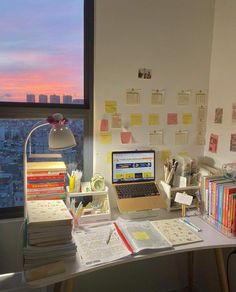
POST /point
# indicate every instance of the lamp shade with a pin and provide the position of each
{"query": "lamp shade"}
(60, 137)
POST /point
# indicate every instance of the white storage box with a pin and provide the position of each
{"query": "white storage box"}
(95, 205)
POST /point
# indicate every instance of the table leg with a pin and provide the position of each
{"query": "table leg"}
(221, 269)
(190, 271)
(65, 286)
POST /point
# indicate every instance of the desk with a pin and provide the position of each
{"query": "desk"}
(212, 239)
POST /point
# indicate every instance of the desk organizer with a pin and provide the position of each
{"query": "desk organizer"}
(97, 200)
(170, 193)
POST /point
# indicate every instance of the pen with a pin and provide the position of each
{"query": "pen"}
(190, 224)
(109, 236)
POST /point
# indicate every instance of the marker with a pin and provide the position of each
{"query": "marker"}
(190, 224)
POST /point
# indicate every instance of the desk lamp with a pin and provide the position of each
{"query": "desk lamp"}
(60, 137)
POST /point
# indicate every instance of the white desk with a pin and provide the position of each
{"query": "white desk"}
(212, 239)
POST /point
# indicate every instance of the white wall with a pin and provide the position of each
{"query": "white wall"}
(222, 86)
(173, 38)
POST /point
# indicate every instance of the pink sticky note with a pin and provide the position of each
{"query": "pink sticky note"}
(104, 125)
(126, 137)
(171, 118)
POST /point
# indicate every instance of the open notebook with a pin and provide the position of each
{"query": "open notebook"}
(133, 178)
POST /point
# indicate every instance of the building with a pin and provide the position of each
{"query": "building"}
(30, 98)
(54, 98)
(67, 99)
(43, 98)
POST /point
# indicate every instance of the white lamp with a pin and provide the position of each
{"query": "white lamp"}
(60, 137)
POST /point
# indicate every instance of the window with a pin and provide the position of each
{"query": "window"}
(46, 66)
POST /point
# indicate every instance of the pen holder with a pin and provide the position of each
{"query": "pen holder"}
(87, 207)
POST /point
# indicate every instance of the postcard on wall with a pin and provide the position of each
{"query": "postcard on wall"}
(156, 138)
(233, 143)
(126, 137)
(110, 106)
(201, 98)
(136, 119)
(200, 139)
(181, 138)
(116, 121)
(234, 113)
(213, 143)
(202, 114)
(103, 125)
(158, 97)
(132, 96)
(153, 119)
(105, 138)
(218, 115)
(183, 97)
(144, 73)
(172, 119)
(187, 118)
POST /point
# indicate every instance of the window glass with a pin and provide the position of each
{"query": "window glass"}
(12, 137)
(42, 51)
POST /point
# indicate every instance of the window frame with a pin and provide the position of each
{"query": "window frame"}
(19, 110)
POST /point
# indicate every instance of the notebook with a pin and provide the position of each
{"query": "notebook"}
(133, 179)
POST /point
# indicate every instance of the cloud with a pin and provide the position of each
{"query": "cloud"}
(5, 96)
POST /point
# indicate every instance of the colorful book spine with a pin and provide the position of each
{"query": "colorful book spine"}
(45, 185)
(60, 177)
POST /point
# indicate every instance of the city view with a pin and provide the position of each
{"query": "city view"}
(12, 137)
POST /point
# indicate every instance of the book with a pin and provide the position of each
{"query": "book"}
(47, 212)
(46, 166)
(175, 231)
(116, 240)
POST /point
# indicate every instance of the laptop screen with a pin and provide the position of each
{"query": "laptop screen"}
(133, 166)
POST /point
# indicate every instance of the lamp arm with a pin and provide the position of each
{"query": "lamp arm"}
(25, 161)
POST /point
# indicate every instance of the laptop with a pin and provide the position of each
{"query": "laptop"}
(133, 179)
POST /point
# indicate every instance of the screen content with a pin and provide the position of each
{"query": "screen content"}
(133, 166)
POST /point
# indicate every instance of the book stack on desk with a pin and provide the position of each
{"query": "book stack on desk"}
(48, 232)
(46, 180)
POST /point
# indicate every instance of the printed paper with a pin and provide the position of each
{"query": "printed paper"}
(201, 98)
(116, 121)
(183, 97)
(213, 143)
(218, 115)
(132, 97)
(158, 97)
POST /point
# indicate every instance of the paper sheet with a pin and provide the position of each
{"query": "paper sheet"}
(93, 248)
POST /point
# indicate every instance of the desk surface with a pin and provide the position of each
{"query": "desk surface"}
(211, 239)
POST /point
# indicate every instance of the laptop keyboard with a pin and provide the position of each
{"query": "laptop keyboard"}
(136, 190)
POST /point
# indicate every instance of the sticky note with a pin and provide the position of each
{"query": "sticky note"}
(105, 138)
(126, 137)
(153, 119)
(187, 118)
(172, 118)
(136, 119)
(116, 121)
(104, 125)
(110, 106)
(140, 235)
(183, 198)
(165, 154)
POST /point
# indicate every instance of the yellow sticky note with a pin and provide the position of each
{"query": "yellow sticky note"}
(105, 138)
(187, 118)
(110, 106)
(136, 119)
(153, 119)
(140, 235)
(108, 157)
(183, 153)
(165, 154)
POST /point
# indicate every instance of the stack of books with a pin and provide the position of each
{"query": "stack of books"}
(48, 233)
(46, 180)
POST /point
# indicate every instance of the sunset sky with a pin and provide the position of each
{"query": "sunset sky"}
(41, 48)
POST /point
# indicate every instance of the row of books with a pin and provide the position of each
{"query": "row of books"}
(219, 202)
(48, 233)
(46, 180)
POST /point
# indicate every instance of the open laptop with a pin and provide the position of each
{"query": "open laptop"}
(133, 178)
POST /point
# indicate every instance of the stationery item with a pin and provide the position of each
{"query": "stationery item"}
(175, 231)
(133, 179)
(122, 238)
(190, 224)
(183, 198)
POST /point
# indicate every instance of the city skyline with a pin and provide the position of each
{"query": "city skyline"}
(43, 51)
